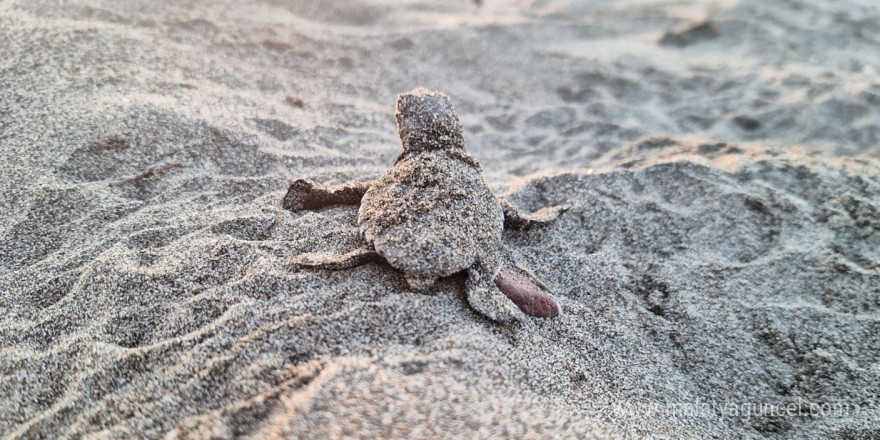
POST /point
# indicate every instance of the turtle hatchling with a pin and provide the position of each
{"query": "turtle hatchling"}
(432, 215)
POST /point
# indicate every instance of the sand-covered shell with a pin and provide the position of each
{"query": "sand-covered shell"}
(432, 214)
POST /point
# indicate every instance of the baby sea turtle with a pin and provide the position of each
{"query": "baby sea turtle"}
(432, 214)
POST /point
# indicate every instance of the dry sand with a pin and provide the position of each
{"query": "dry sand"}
(719, 266)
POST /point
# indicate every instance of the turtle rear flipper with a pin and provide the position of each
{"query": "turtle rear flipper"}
(310, 195)
(357, 257)
(487, 300)
(420, 283)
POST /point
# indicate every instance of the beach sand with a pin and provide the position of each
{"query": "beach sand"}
(719, 265)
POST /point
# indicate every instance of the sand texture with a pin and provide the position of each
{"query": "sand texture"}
(718, 263)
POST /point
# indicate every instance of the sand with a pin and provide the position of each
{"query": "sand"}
(719, 265)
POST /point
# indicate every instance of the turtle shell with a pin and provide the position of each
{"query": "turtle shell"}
(432, 214)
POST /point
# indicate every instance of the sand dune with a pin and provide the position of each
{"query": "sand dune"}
(719, 263)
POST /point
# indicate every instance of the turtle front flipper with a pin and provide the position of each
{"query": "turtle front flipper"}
(485, 298)
(513, 219)
(310, 195)
(357, 257)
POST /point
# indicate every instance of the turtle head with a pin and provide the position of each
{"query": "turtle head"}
(427, 120)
